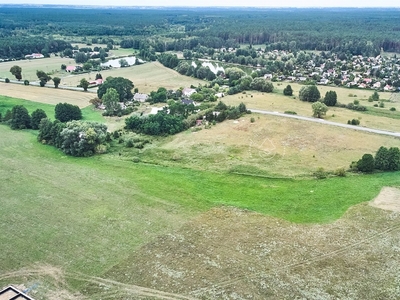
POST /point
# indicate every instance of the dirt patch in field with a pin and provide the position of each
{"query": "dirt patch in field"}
(388, 199)
(229, 253)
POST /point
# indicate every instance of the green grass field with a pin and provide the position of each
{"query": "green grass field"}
(85, 214)
(7, 103)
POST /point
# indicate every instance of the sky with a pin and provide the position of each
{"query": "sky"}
(236, 3)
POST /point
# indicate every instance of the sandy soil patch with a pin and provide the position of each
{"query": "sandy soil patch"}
(388, 199)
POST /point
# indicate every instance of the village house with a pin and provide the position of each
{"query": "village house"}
(140, 97)
(34, 56)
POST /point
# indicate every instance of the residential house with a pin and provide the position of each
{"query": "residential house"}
(70, 69)
(187, 92)
(268, 76)
(140, 97)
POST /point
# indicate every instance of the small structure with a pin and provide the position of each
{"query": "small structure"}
(12, 293)
(70, 69)
(187, 92)
(187, 102)
(34, 56)
(96, 82)
(140, 97)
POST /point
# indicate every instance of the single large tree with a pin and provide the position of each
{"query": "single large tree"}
(122, 85)
(288, 91)
(111, 101)
(43, 77)
(17, 72)
(309, 93)
(84, 84)
(330, 98)
(56, 81)
(319, 109)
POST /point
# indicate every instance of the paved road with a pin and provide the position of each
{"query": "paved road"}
(322, 121)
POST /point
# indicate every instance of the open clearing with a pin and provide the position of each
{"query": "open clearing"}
(45, 94)
(271, 145)
(278, 102)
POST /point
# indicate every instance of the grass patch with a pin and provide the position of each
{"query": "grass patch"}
(7, 103)
(379, 112)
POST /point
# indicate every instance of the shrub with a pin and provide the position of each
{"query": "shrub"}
(26, 82)
(353, 122)
(393, 109)
(341, 172)
(381, 105)
(252, 120)
(290, 112)
(320, 173)
(7, 80)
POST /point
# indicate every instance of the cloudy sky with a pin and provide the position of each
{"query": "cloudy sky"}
(258, 3)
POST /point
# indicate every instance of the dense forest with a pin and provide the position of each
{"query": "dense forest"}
(24, 30)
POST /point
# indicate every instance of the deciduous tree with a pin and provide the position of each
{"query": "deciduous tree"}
(319, 109)
(36, 117)
(309, 93)
(17, 72)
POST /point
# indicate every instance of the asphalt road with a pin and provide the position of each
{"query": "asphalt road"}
(322, 121)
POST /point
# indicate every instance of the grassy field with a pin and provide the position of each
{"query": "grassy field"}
(86, 215)
(7, 103)
(380, 118)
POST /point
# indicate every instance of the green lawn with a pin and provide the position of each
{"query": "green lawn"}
(87, 214)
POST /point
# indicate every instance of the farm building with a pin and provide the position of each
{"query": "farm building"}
(12, 293)
(34, 56)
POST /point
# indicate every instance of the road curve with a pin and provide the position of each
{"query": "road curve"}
(322, 121)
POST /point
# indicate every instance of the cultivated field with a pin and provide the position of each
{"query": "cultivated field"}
(46, 94)
(147, 77)
(50, 65)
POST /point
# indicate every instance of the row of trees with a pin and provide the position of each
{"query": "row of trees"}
(19, 118)
(386, 159)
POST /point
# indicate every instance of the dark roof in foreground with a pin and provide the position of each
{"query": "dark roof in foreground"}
(12, 293)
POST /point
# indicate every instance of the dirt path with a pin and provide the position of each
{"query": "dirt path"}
(388, 199)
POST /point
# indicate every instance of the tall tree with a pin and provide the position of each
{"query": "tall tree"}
(111, 101)
(288, 91)
(17, 72)
(122, 85)
(43, 77)
(20, 118)
(36, 117)
(56, 81)
(330, 98)
(309, 93)
(84, 84)
(319, 109)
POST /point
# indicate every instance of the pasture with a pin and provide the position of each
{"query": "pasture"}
(82, 219)
(271, 145)
(277, 102)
